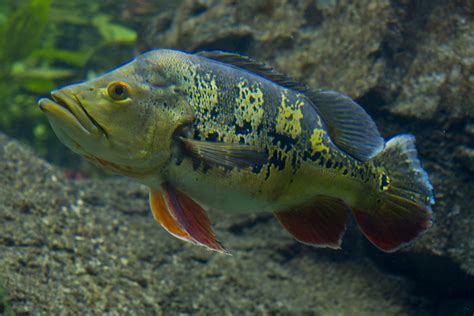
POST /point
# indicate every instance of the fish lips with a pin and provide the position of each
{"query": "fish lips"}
(65, 109)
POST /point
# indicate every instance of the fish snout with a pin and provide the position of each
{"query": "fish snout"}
(65, 105)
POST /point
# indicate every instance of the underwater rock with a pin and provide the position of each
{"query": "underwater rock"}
(4, 302)
(437, 81)
(410, 63)
(466, 156)
(308, 37)
(418, 62)
(93, 246)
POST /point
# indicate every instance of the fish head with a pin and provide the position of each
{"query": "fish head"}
(124, 120)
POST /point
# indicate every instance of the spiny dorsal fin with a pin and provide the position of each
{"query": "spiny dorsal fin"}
(253, 66)
(226, 154)
(349, 126)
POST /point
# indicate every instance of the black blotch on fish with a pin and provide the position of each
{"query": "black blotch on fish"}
(329, 164)
(384, 182)
(214, 113)
(246, 129)
(212, 137)
(277, 160)
(294, 162)
(321, 161)
(284, 142)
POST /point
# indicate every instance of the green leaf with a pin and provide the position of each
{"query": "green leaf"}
(3, 20)
(39, 86)
(23, 30)
(113, 33)
(22, 72)
(75, 58)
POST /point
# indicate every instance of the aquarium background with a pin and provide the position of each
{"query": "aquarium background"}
(45, 44)
(76, 241)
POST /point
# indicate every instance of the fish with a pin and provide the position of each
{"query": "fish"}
(220, 131)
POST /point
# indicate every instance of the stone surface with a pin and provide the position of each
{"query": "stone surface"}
(410, 63)
(416, 56)
(307, 38)
(466, 156)
(439, 79)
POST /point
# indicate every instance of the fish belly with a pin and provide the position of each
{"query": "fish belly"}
(242, 191)
(231, 192)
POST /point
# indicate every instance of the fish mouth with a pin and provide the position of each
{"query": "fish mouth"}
(66, 107)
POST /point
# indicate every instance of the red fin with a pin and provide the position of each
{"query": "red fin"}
(394, 223)
(184, 218)
(164, 218)
(322, 222)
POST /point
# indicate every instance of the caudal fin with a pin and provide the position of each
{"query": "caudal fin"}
(403, 211)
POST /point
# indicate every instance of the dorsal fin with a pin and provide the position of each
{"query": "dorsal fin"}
(253, 66)
(349, 126)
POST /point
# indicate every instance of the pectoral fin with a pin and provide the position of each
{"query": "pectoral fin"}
(321, 222)
(183, 218)
(163, 216)
(226, 154)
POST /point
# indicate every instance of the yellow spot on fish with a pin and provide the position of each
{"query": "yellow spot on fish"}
(249, 105)
(204, 94)
(317, 143)
(203, 98)
(289, 116)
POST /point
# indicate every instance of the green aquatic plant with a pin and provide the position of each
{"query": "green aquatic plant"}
(19, 35)
(45, 44)
(21, 32)
(28, 63)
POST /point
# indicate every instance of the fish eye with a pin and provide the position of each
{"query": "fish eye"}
(118, 90)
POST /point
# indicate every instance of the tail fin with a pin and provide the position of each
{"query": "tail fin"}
(403, 211)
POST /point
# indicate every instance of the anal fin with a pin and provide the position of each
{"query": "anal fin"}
(183, 217)
(321, 222)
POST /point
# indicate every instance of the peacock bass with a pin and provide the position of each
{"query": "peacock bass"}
(217, 130)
